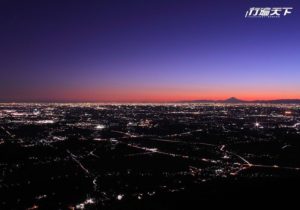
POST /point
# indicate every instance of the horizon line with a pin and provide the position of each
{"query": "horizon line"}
(3, 101)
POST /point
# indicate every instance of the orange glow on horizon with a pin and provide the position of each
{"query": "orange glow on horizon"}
(150, 95)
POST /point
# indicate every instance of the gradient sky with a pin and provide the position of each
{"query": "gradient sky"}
(154, 50)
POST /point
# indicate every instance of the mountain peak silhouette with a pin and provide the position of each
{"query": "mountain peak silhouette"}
(233, 100)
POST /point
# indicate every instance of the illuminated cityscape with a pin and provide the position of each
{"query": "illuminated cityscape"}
(93, 156)
(149, 104)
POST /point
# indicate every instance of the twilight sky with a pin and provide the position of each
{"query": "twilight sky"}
(147, 50)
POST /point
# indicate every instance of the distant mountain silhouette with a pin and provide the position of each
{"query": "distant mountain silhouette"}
(234, 100)
(278, 101)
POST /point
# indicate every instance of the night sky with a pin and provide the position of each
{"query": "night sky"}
(154, 50)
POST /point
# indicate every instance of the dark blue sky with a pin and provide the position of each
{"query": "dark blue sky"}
(147, 50)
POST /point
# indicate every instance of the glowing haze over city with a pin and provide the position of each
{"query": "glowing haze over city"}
(153, 51)
(149, 104)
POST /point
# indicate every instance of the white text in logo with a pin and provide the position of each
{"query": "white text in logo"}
(268, 12)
